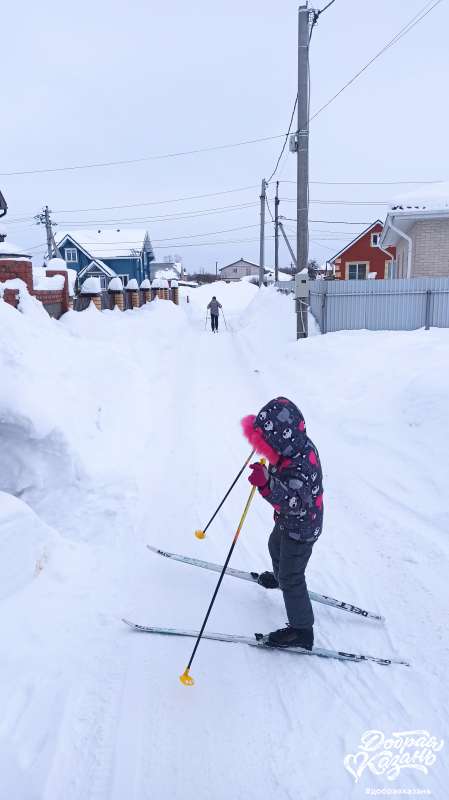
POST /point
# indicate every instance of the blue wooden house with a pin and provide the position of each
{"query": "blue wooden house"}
(107, 253)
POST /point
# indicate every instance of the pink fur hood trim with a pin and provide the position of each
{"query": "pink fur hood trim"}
(256, 440)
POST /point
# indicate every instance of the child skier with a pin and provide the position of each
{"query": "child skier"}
(214, 307)
(292, 484)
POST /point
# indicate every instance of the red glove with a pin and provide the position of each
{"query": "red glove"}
(259, 475)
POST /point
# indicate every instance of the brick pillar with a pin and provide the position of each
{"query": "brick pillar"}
(17, 268)
(66, 299)
(175, 292)
(95, 299)
(155, 288)
(116, 299)
(164, 289)
(145, 288)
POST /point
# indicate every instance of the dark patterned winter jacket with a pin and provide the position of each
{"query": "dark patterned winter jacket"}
(295, 482)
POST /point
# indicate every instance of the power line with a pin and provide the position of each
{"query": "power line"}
(155, 202)
(331, 221)
(367, 183)
(163, 218)
(399, 35)
(124, 162)
(341, 202)
(172, 238)
(285, 140)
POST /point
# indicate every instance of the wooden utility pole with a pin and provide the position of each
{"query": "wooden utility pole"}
(44, 219)
(262, 232)
(302, 154)
(276, 234)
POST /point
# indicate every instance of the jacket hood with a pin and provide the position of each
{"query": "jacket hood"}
(278, 429)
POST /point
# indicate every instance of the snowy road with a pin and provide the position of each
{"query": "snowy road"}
(92, 711)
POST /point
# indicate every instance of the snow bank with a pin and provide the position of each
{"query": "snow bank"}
(25, 545)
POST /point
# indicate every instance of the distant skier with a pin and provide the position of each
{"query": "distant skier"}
(214, 308)
(292, 484)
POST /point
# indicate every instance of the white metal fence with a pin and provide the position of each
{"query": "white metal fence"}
(397, 304)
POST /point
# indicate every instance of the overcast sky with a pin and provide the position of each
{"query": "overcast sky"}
(97, 81)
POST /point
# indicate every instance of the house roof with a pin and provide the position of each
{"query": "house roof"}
(108, 243)
(240, 263)
(10, 249)
(429, 203)
(96, 262)
(357, 238)
(404, 219)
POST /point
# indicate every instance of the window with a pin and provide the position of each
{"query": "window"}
(124, 279)
(71, 255)
(235, 269)
(357, 272)
(375, 239)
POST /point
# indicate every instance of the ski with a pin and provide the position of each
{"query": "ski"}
(259, 640)
(252, 577)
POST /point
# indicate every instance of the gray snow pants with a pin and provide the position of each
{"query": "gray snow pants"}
(290, 559)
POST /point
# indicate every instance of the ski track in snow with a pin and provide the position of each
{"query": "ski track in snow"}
(101, 714)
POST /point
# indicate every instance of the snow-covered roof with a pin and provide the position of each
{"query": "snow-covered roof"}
(433, 198)
(431, 203)
(108, 243)
(168, 273)
(132, 285)
(11, 249)
(146, 284)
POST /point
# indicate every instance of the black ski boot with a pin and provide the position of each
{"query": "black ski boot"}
(291, 637)
(267, 580)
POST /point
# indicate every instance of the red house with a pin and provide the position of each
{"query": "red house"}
(364, 257)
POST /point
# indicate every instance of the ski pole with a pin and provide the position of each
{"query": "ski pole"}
(224, 319)
(205, 324)
(186, 678)
(201, 534)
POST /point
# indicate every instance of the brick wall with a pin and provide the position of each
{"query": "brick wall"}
(430, 248)
(17, 268)
(55, 302)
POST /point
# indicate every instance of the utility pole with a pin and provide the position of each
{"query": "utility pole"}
(302, 155)
(290, 249)
(44, 219)
(262, 232)
(216, 269)
(276, 234)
